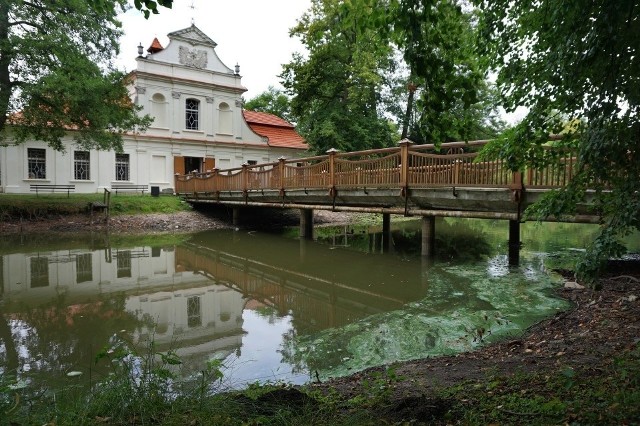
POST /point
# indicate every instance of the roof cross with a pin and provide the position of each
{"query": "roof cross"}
(193, 12)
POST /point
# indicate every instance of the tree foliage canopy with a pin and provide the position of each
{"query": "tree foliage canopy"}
(573, 62)
(274, 101)
(335, 90)
(147, 7)
(437, 42)
(56, 73)
(363, 54)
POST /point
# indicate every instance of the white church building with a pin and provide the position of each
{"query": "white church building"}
(199, 124)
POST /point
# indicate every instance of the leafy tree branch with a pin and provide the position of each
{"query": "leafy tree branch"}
(573, 63)
(57, 77)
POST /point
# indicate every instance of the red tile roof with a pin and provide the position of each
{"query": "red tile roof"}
(155, 46)
(279, 132)
(265, 118)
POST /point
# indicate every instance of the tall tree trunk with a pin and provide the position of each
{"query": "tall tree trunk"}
(5, 61)
(405, 122)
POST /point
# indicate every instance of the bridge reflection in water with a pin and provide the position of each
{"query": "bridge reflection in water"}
(349, 310)
(319, 285)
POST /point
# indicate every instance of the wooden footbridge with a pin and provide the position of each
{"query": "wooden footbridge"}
(411, 180)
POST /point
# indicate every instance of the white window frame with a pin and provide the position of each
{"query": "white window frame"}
(36, 166)
(191, 114)
(81, 166)
(122, 167)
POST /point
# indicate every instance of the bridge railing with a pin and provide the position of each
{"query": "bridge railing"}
(561, 169)
(309, 173)
(376, 168)
(405, 166)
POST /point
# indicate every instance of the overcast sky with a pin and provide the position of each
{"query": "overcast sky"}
(251, 33)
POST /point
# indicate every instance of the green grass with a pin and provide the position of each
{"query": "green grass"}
(29, 207)
(145, 389)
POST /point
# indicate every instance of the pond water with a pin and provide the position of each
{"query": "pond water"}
(273, 308)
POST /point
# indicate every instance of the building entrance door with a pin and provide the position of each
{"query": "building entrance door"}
(184, 165)
(193, 164)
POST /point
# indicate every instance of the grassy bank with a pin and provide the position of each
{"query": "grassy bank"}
(595, 394)
(31, 207)
(147, 392)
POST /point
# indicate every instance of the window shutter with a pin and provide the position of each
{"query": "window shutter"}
(178, 165)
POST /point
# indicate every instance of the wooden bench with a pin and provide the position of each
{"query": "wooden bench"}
(101, 206)
(41, 187)
(129, 188)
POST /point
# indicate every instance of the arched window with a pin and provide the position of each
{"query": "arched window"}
(225, 119)
(192, 114)
(159, 110)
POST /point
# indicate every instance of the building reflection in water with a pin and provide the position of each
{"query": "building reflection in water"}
(179, 310)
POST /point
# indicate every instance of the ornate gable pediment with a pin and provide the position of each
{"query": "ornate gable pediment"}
(192, 35)
(192, 48)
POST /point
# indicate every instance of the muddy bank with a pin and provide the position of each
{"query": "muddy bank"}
(182, 222)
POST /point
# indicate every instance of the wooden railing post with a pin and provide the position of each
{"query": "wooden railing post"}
(456, 171)
(332, 172)
(281, 169)
(192, 182)
(332, 167)
(214, 179)
(516, 180)
(245, 177)
(404, 163)
(516, 188)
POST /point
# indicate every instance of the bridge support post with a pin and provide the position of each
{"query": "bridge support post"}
(425, 266)
(428, 236)
(514, 242)
(306, 224)
(303, 250)
(386, 232)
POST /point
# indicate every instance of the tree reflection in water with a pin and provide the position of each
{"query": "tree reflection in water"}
(43, 343)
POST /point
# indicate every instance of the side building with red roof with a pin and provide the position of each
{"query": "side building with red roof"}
(199, 124)
(278, 132)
